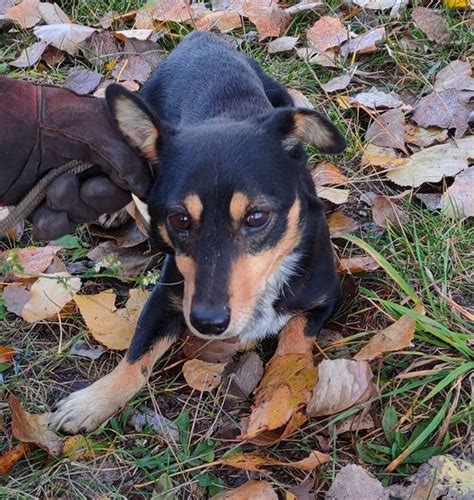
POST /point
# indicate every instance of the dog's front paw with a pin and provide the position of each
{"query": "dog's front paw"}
(84, 410)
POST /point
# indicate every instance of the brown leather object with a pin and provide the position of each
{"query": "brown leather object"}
(43, 127)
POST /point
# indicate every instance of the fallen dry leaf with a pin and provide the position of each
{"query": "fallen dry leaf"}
(424, 137)
(456, 75)
(364, 44)
(256, 490)
(254, 462)
(30, 56)
(326, 174)
(342, 383)
(353, 481)
(201, 375)
(161, 425)
(48, 295)
(286, 385)
(312, 56)
(386, 211)
(458, 200)
(31, 428)
(82, 81)
(359, 422)
(128, 235)
(433, 25)
(357, 264)
(431, 165)
(432, 201)
(299, 99)
(326, 33)
(224, 22)
(388, 130)
(378, 156)
(213, 351)
(337, 83)
(11, 457)
(25, 14)
(446, 109)
(33, 260)
(109, 325)
(376, 99)
(395, 5)
(101, 48)
(83, 349)
(246, 375)
(137, 34)
(337, 196)
(395, 337)
(7, 354)
(15, 296)
(282, 44)
(66, 36)
(270, 21)
(340, 223)
(177, 11)
(52, 13)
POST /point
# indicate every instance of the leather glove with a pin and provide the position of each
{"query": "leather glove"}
(43, 127)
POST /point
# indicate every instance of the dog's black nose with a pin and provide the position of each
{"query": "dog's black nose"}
(210, 321)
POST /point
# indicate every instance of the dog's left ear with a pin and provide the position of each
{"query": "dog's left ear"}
(308, 126)
(135, 120)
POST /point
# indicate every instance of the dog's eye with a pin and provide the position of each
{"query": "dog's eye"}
(179, 221)
(257, 219)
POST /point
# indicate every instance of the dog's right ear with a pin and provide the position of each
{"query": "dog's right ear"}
(135, 120)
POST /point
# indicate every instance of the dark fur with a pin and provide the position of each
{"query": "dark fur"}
(225, 127)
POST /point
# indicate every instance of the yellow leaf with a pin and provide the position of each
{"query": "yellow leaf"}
(256, 490)
(11, 457)
(109, 325)
(201, 375)
(457, 4)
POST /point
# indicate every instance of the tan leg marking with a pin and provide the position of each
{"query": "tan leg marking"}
(250, 273)
(194, 207)
(85, 410)
(238, 207)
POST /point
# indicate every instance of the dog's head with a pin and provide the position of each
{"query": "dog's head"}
(226, 202)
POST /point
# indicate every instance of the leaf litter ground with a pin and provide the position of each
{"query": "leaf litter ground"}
(398, 82)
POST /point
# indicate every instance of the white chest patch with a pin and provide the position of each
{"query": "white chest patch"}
(266, 321)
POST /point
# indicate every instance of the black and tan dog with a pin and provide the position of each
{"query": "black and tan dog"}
(233, 206)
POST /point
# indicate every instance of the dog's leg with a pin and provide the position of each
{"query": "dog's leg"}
(159, 326)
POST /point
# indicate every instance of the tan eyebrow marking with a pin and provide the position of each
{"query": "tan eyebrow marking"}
(238, 206)
(193, 205)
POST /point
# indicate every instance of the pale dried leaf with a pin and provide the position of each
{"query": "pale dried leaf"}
(386, 211)
(341, 384)
(136, 34)
(132, 67)
(433, 25)
(48, 296)
(337, 83)
(15, 296)
(177, 11)
(52, 13)
(109, 325)
(456, 75)
(84, 350)
(446, 109)
(160, 424)
(432, 201)
(340, 223)
(299, 99)
(378, 156)
(381, 4)
(224, 22)
(256, 490)
(30, 56)
(282, 44)
(65, 36)
(395, 337)
(364, 44)
(312, 56)
(335, 195)
(353, 481)
(304, 6)
(424, 137)
(255, 462)
(388, 130)
(25, 14)
(201, 375)
(458, 200)
(359, 422)
(326, 173)
(30, 428)
(82, 81)
(376, 99)
(269, 21)
(357, 264)
(326, 33)
(430, 165)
